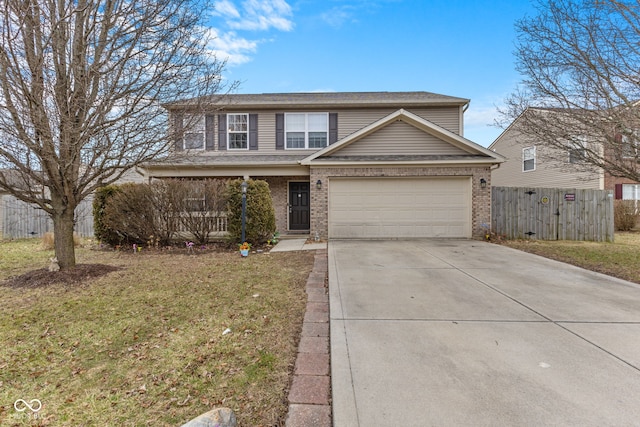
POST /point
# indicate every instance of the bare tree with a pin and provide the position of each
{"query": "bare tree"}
(82, 83)
(581, 65)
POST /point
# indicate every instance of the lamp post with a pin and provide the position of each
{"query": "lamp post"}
(244, 186)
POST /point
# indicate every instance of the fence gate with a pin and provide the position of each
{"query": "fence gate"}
(552, 213)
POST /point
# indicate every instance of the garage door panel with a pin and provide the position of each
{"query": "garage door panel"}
(399, 207)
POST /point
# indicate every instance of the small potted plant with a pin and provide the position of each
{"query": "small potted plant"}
(244, 249)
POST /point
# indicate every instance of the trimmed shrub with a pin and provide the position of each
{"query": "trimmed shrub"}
(625, 215)
(260, 215)
(141, 214)
(101, 231)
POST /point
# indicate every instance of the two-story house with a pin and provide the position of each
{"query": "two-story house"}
(344, 165)
(531, 163)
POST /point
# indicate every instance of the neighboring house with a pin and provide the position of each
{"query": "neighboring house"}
(530, 163)
(344, 165)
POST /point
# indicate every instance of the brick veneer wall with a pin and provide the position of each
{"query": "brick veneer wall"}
(279, 186)
(611, 181)
(481, 198)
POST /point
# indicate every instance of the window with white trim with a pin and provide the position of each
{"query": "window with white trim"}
(578, 149)
(306, 130)
(630, 191)
(528, 159)
(238, 131)
(193, 132)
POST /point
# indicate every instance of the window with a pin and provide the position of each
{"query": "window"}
(528, 159)
(195, 204)
(238, 131)
(306, 130)
(194, 133)
(630, 191)
(578, 150)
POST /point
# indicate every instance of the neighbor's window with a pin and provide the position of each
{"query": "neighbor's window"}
(528, 159)
(193, 132)
(578, 150)
(306, 130)
(238, 131)
(630, 191)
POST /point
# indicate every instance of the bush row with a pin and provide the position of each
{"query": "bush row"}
(164, 211)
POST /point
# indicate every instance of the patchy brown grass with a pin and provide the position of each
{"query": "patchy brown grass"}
(143, 343)
(619, 259)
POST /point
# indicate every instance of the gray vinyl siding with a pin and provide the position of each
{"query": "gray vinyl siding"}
(400, 138)
(349, 121)
(552, 169)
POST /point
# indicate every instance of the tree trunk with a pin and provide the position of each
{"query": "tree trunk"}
(63, 239)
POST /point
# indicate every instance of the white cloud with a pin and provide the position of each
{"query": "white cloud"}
(225, 8)
(255, 15)
(250, 15)
(231, 47)
(339, 15)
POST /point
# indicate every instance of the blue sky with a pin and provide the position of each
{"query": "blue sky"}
(452, 47)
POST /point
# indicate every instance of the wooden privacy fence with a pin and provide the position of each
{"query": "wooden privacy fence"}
(552, 213)
(22, 220)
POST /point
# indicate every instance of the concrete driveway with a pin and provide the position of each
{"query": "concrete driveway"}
(467, 333)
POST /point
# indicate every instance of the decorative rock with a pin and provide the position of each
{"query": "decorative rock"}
(219, 417)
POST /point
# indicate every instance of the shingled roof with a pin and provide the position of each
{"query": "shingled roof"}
(324, 99)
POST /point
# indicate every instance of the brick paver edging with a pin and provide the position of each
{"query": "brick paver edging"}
(310, 392)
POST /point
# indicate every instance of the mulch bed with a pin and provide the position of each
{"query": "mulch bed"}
(43, 277)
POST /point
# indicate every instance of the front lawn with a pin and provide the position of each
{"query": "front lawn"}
(619, 259)
(145, 344)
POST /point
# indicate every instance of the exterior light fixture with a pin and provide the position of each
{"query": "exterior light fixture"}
(319, 185)
(483, 183)
(243, 187)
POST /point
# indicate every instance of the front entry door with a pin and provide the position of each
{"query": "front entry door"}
(299, 208)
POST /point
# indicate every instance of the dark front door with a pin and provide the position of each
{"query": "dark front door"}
(299, 208)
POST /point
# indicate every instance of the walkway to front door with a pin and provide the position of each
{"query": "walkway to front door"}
(299, 206)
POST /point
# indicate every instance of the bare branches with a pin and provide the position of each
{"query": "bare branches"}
(82, 85)
(580, 60)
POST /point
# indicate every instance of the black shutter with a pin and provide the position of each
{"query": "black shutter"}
(280, 131)
(222, 132)
(333, 127)
(618, 191)
(178, 142)
(209, 132)
(253, 131)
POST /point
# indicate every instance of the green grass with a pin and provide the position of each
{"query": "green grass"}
(144, 345)
(619, 259)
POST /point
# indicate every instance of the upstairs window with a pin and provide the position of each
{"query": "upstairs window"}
(238, 131)
(578, 150)
(193, 133)
(528, 159)
(306, 130)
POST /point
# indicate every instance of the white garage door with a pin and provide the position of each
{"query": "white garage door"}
(370, 208)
